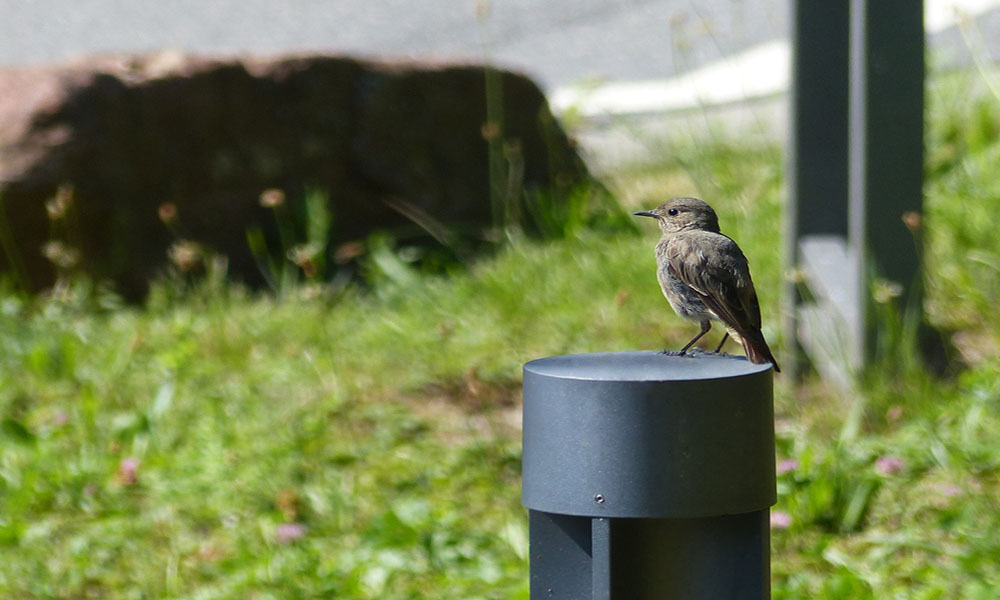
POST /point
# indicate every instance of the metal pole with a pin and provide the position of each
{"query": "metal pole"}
(817, 148)
(648, 476)
(887, 148)
(855, 168)
(817, 168)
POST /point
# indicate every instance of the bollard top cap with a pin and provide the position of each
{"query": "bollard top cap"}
(647, 435)
(644, 366)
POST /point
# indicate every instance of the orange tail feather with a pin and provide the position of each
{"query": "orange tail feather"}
(757, 350)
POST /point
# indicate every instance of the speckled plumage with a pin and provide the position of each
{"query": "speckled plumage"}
(705, 276)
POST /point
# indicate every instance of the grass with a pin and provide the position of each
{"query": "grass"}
(217, 443)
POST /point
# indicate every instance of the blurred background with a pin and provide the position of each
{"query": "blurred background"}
(347, 424)
(595, 59)
(557, 43)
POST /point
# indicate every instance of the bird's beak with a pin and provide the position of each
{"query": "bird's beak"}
(644, 213)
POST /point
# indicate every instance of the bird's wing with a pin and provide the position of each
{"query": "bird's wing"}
(714, 267)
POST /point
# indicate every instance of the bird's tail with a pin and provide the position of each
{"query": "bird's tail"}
(757, 350)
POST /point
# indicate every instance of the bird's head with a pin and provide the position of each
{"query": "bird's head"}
(681, 214)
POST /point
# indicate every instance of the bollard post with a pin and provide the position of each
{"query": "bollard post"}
(648, 476)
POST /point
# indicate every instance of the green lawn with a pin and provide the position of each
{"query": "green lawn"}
(224, 444)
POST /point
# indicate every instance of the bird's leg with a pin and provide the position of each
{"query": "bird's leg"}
(705, 326)
(724, 338)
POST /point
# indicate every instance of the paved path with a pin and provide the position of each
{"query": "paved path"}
(640, 56)
(558, 41)
(956, 30)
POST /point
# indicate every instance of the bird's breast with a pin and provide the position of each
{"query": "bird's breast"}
(681, 297)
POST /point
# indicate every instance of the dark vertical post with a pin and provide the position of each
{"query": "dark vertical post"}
(648, 476)
(855, 168)
(818, 144)
(886, 124)
(600, 541)
(817, 167)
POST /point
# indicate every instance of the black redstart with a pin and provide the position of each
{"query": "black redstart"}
(705, 276)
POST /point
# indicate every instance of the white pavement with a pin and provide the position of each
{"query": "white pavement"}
(757, 72)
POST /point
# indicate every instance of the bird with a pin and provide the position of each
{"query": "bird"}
(705, 276)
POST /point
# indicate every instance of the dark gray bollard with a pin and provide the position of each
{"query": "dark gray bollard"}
(648, 476)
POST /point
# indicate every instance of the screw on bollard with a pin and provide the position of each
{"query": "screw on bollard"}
(682, 451)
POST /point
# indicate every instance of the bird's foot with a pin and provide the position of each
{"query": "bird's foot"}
(669, 352)
(695, 352)
(692, 352)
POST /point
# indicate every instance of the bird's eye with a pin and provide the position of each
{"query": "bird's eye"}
(672, 212)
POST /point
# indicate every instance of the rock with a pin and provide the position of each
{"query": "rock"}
(391, 143)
